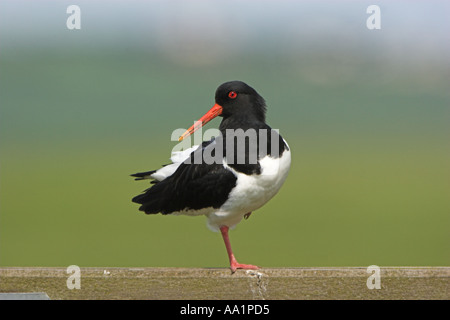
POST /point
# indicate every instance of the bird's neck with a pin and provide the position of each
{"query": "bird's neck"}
(242, 122)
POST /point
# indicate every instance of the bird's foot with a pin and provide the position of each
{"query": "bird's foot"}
(234, 266)
(247, 215)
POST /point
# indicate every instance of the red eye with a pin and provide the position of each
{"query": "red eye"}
(232, 94)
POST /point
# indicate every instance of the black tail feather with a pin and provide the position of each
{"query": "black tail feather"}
(151, 200)
(142, 175)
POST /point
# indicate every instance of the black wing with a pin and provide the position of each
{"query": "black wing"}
(191, 187)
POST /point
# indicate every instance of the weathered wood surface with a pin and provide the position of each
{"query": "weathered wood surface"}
(211, 283)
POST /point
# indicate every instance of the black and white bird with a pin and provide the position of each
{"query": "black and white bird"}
(244, 178)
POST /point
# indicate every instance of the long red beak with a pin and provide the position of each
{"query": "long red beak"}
(215, 111)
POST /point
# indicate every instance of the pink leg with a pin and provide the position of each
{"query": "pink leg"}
(234, 265)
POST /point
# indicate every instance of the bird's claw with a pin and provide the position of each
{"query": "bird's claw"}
(235, 266)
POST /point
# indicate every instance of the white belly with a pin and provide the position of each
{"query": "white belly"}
(251, 191)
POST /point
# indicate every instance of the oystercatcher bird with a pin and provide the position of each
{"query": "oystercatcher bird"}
(251, 163)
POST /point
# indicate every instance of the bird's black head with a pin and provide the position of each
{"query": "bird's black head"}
(240, 100)
(237, 103)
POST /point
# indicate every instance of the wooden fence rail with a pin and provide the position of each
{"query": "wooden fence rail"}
(212, 283)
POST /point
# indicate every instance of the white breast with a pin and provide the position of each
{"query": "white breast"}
(251, 191)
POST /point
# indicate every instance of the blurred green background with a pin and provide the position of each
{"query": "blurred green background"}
(366, 114)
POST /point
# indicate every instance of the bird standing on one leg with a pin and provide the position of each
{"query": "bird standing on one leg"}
(251, 164)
